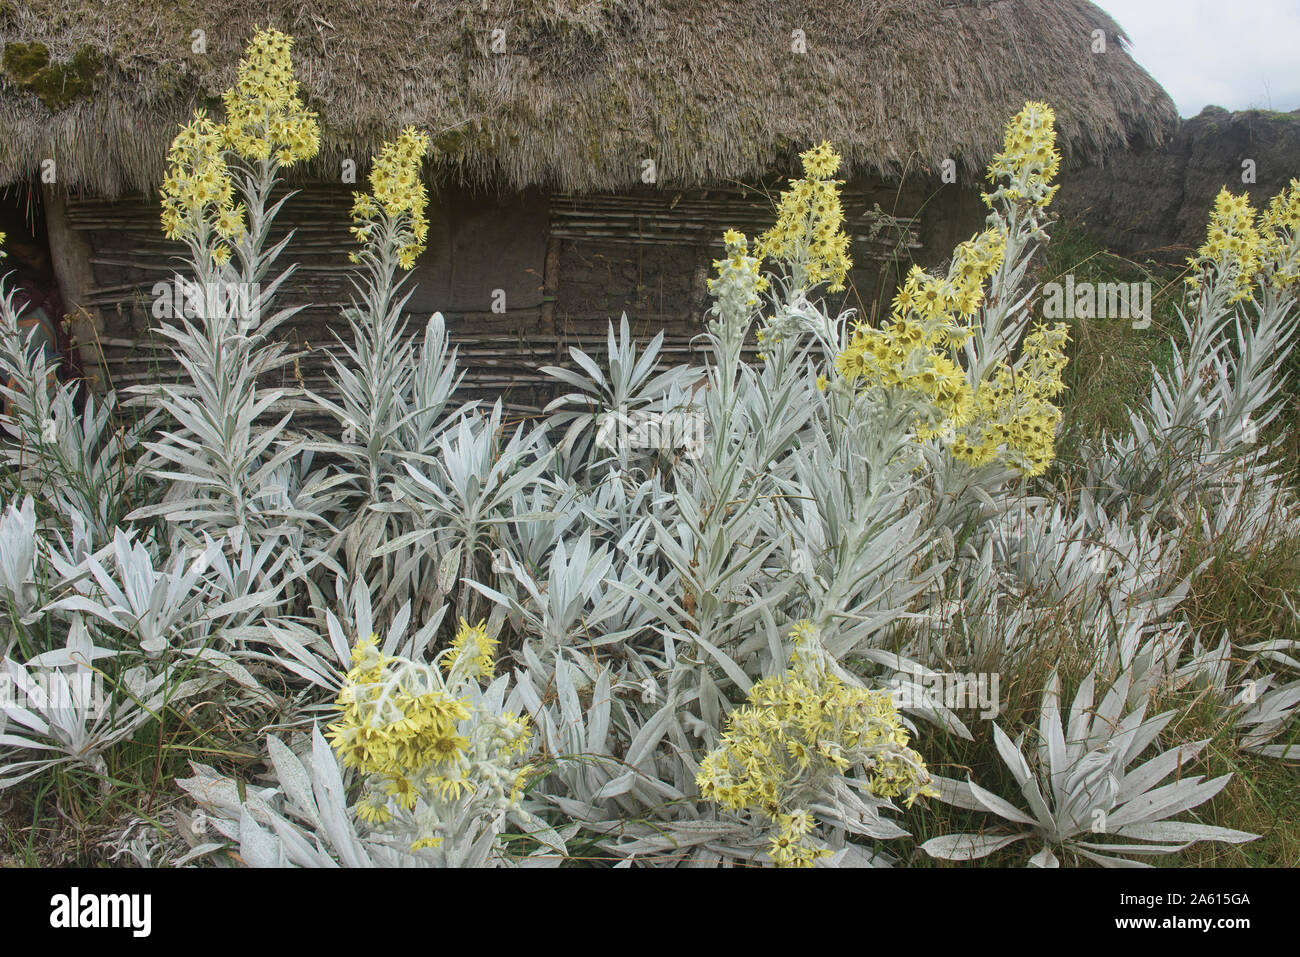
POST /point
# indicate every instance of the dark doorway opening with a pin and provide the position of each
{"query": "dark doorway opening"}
(29, 278)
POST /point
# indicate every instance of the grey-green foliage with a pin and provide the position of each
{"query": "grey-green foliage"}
(1083, 797)
(304, 820)
(82, 464)
(639, 589)
(1198, 438)
(630, 383)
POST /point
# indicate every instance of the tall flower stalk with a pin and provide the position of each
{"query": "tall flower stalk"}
(225, 466)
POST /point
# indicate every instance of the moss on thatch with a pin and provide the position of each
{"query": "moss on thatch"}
(57, 85)
(586, 89)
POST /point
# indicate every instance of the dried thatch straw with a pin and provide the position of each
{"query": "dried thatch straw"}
(586, 89)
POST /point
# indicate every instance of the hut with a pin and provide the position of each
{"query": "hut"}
(589, 153)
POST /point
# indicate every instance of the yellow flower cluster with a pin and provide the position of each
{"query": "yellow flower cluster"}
(472, 651)
(808, 234)
(1280, 230)
(798, 731)
(1233, 249)
(973, 263)
(1029, 159)
(198, 192)
(389, 730)
(739, 281)
(397, 199)
(908, 355)
(930, 319)
(265, 118)
(1015, 420)
(1008, 417)
(421, 744)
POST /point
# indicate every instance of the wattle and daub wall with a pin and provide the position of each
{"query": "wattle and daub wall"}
(519, 277)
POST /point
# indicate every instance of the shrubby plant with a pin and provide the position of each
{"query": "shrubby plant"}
(630, 654)
(1084, 796)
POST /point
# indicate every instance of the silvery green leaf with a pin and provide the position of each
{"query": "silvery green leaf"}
(598, 716)
(199, 850)
(1184, 831)
(640, 750)
(957, 793)
(1107, 861)
(1147, 775)
(733, 671)
(331, 802)
(293, 778)
(1109, 711)
(969, 847)
(1282, 752)
(1052, 750)
(1044, 858)
(1015, 762)
(1166, 801)
(1000, 807)
(449, 569)
(256, 847)
(615, 786)
(1140, 850)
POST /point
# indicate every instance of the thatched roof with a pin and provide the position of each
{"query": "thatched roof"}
(586, 89)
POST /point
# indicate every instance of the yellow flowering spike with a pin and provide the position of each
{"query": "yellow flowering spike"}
(1280, 234)
(808, 236)
(1029, 159)
(910, 354)
(1015, 421)
(265, 117)
(198, 191)
(392, 215)
(1008, 418)
(820, 162)
(265, 120)
(1234, 249)
(739, 281)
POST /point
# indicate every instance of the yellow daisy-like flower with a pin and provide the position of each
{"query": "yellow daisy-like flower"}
(472, 650)
(394, 211)
(1234, 249)
(419, 741)
(265, 117)
(1279, 228)
(1009, 416)
(808, 236)
(1029, 159)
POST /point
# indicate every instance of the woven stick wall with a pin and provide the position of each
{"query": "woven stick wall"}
(572, 264)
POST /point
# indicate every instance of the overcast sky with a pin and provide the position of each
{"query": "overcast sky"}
(1238, 54)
